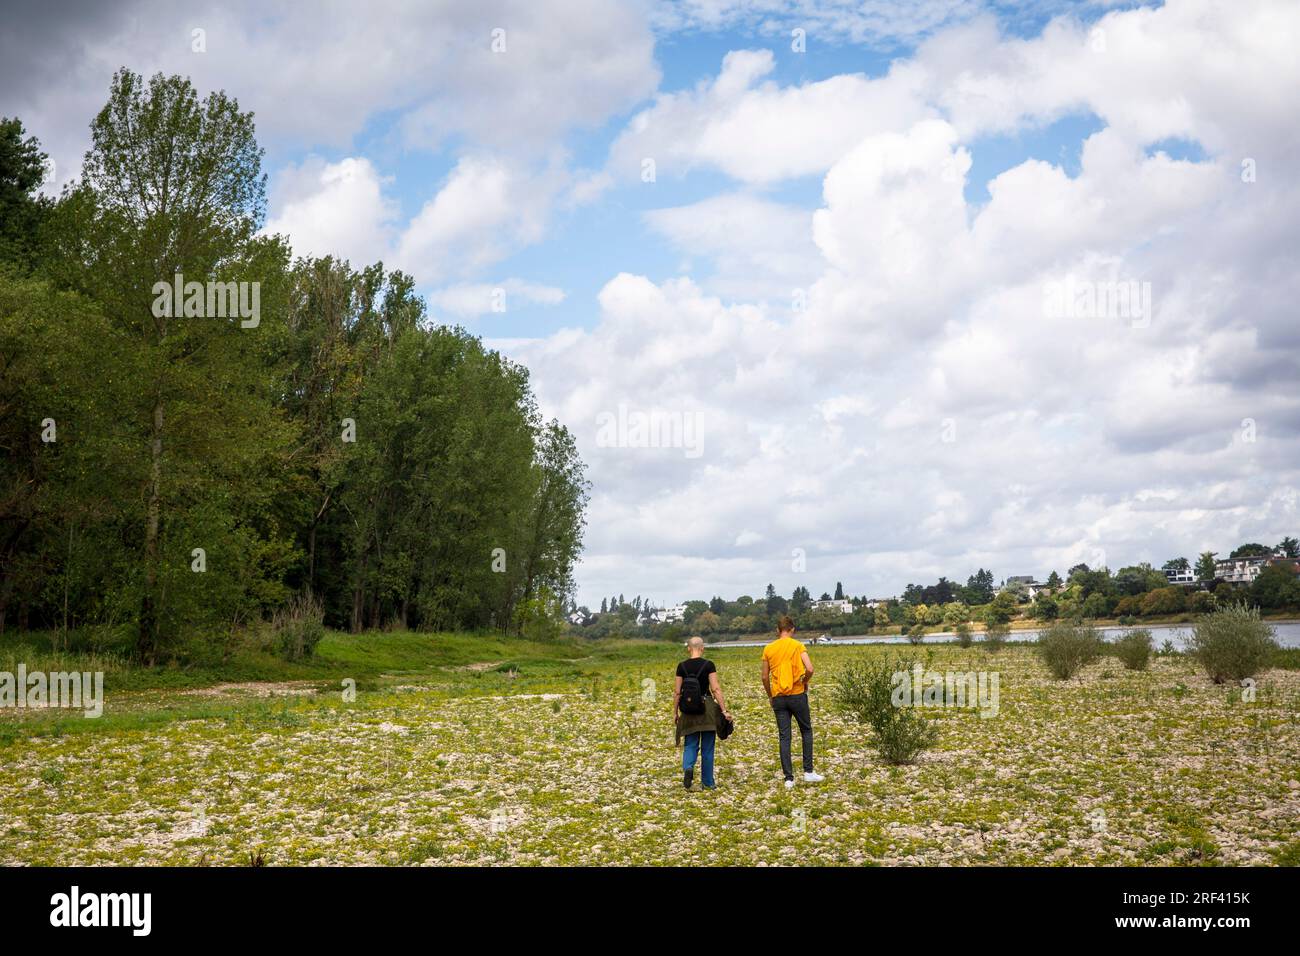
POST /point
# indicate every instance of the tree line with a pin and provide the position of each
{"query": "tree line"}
(199, 430)
(1133, 591)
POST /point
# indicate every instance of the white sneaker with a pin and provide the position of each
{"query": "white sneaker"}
(813, 778)
(789, 784)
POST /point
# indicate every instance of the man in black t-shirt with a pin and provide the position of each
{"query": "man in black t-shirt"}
(698, 729)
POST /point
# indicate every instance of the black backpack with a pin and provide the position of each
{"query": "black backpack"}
(691, 700)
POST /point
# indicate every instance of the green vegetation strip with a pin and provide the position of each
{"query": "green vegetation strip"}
(460, 749)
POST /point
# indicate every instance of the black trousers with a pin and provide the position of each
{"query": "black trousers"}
(793, 705)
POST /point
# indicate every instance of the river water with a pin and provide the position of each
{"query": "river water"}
(1287, 633)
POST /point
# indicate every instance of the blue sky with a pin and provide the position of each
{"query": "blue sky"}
(586, 245)
(840, 279)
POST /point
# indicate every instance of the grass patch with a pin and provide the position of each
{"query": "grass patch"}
(571, 762)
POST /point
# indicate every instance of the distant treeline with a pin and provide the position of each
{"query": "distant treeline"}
(172, 474)
(1138, 590)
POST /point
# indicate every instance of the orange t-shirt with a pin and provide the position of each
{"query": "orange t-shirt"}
(784, 658)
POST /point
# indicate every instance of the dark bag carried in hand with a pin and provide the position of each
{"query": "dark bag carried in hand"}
(725, 726)
(691, 700)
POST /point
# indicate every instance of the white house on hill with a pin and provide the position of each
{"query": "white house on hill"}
(1240, 570)
(1026, 583)
(668, 615)
(843, 605)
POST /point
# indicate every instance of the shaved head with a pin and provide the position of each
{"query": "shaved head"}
(695, 644)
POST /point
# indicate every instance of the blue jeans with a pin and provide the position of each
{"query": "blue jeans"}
(692, 746)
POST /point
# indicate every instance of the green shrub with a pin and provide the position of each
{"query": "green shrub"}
(54, 775)
(299, 627)
(963, 634)
(917, 634)
(1288, 855)
(1096, 605)
(1134, 649)
(1067, 646)
(995, 636)
(905, 738)
(1276, 586)
(1129, 606)
(864, 690)
(541, 618)
(1168, 600)
(1001, 609)
(1232, 643)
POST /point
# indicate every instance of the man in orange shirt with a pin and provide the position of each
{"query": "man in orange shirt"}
(787, 670)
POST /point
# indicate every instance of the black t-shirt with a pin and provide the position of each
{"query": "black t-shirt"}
(700, 668)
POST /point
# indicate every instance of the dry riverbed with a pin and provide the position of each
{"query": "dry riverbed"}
(471, 766)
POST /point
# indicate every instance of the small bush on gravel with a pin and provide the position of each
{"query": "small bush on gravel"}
(1232, 643)
(299, 627)
(1134, 649)
(1067, 646)
(864, 690)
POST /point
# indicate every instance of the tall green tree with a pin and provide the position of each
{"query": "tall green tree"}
(1277, 586)
(58, 396)
(205, 466)
(170, 186)
(1252, 549)
(22, 209)
(799, 600)
(979, 587)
